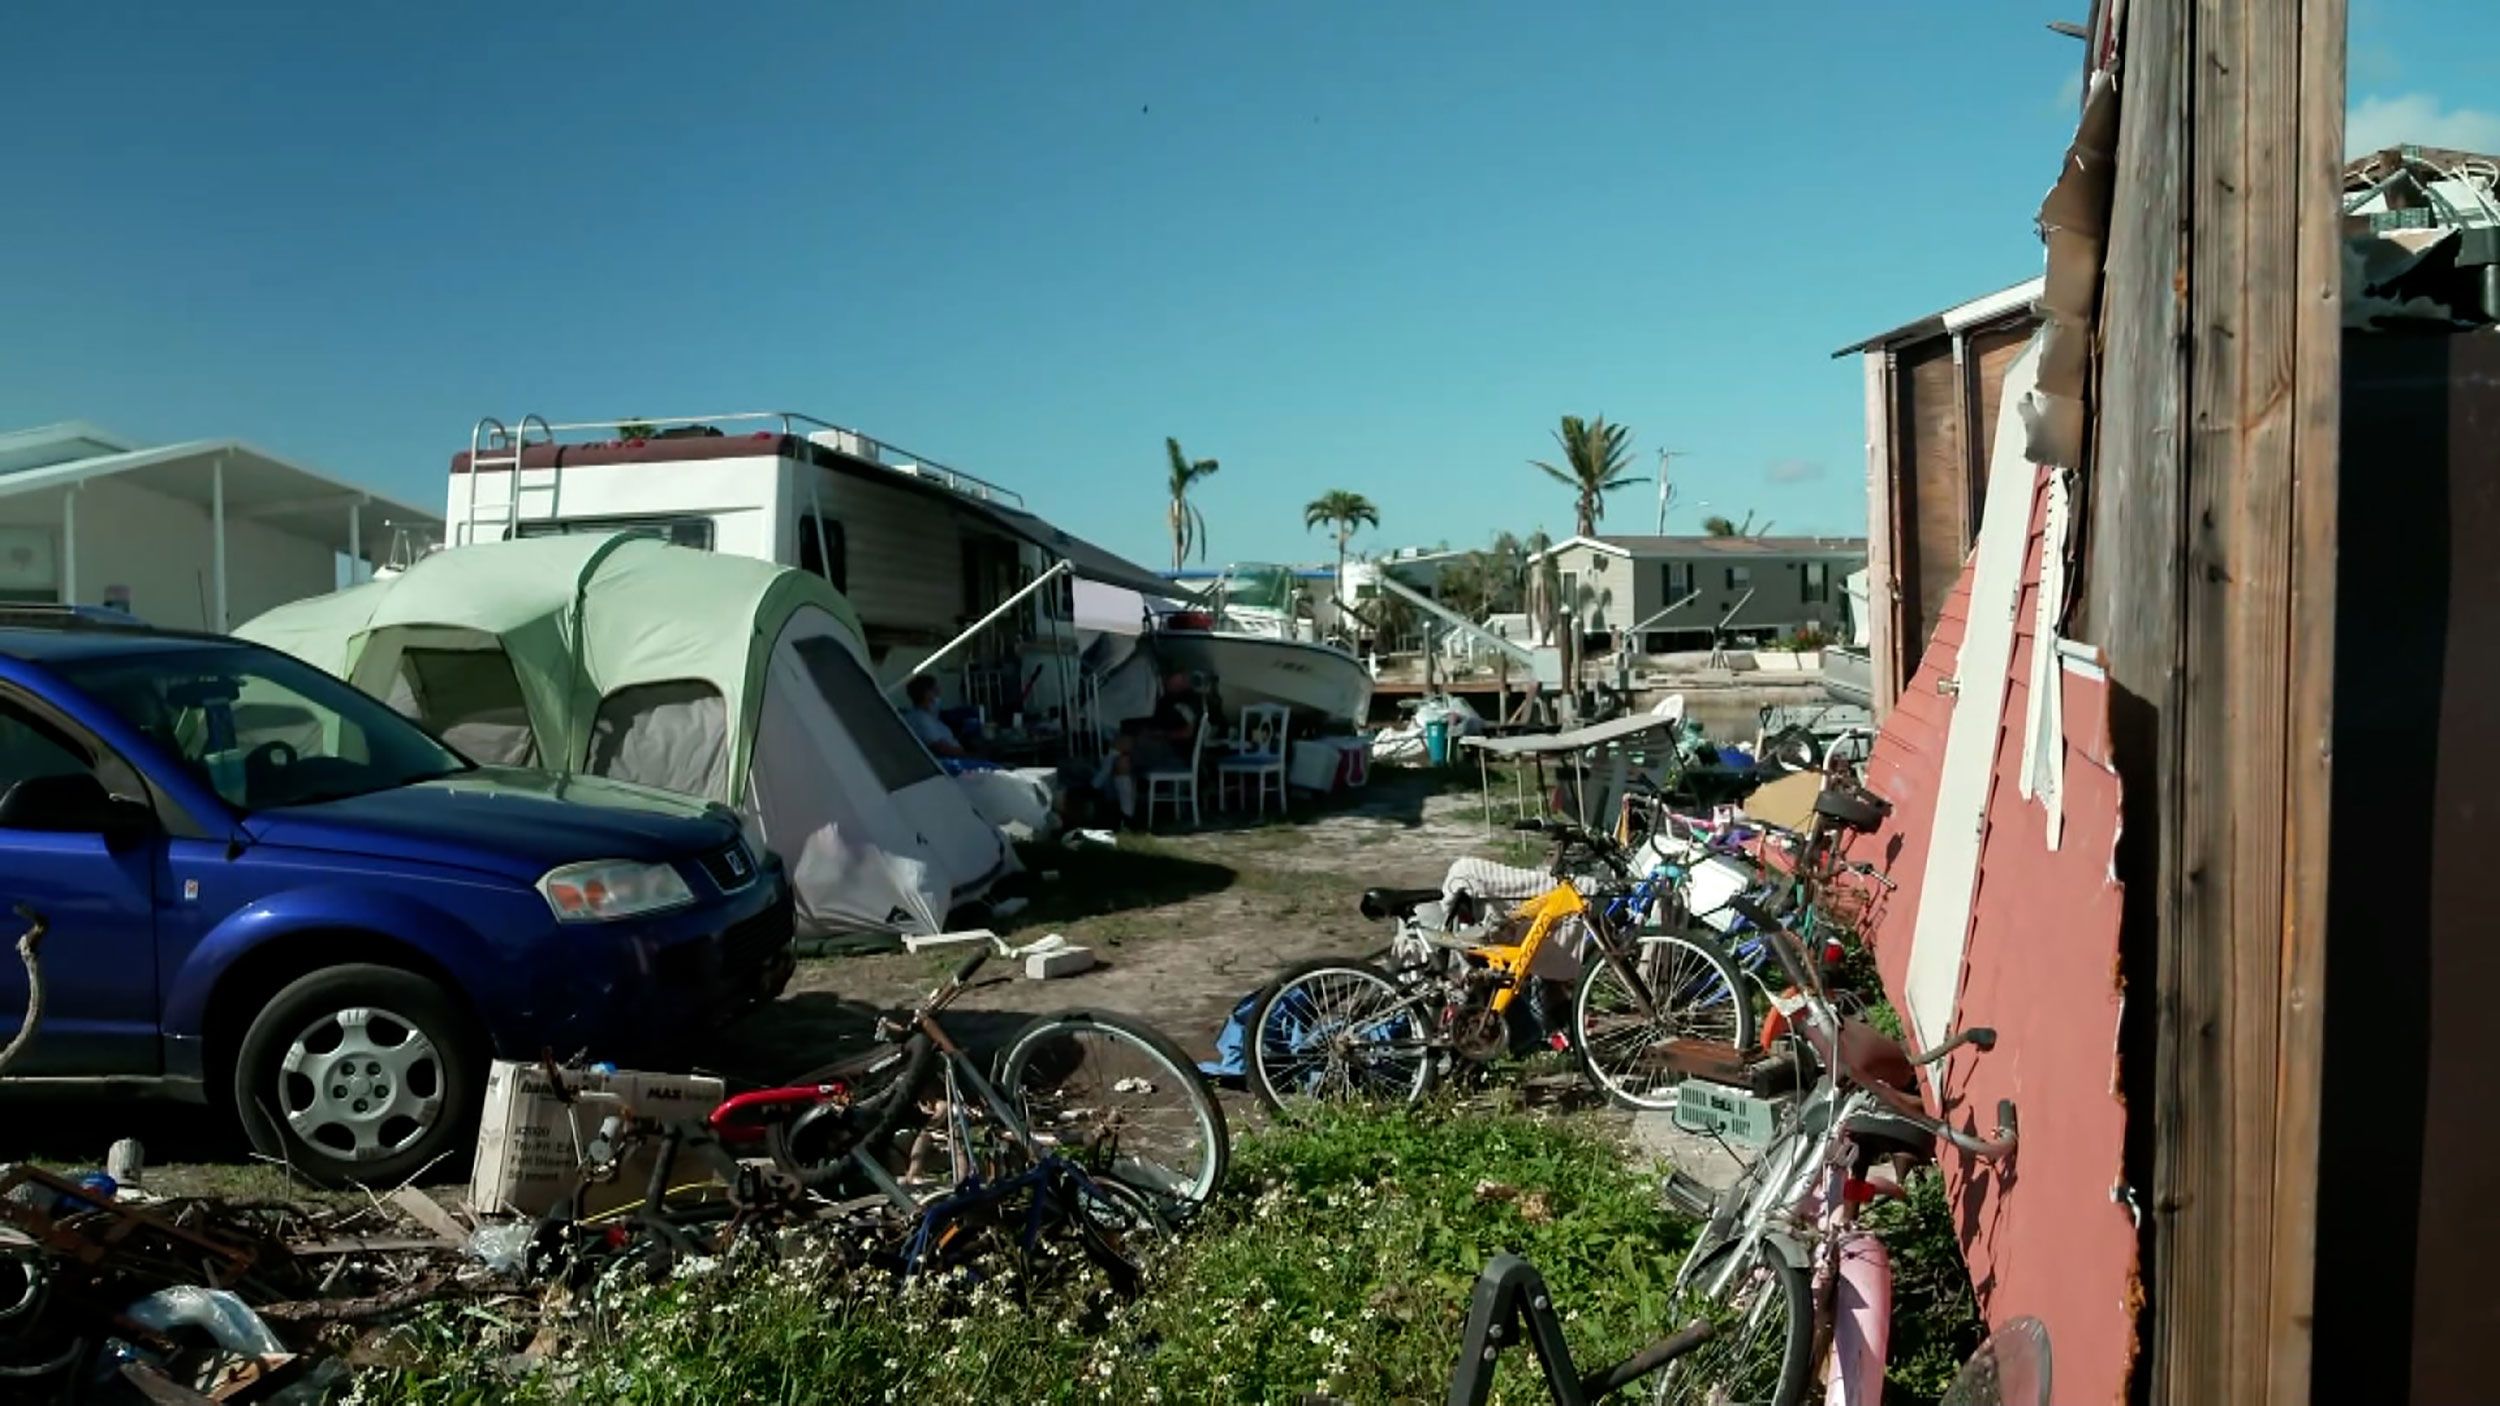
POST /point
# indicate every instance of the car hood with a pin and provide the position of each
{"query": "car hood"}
(505, 821)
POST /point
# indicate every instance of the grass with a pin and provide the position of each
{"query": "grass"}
(1340, 1261)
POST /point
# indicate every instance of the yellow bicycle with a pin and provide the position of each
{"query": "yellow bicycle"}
(1339, 1029)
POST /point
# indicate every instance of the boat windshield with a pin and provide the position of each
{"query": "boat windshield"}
(1261, 587)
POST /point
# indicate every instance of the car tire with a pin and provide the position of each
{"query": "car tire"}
(361, 1074)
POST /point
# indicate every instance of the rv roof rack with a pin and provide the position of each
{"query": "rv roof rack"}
(491, 437)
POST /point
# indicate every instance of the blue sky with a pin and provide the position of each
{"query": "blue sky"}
(1379, 246)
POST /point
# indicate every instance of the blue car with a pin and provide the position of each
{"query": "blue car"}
(270, 891)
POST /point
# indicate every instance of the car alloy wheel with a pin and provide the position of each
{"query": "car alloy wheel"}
(361, 1084)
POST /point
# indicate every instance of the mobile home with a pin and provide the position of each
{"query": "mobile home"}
(946, 570)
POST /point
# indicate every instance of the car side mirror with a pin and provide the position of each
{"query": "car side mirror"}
(76, 804)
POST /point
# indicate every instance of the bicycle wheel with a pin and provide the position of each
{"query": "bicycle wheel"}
(817, 1146)
(1338, 1032)
(1116, 1097)
(1695, 993)
(1764, 1348)
(1109, 1218)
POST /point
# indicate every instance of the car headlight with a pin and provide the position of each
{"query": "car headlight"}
(607, 889)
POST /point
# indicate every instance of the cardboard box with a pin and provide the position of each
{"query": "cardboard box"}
(530, 1145)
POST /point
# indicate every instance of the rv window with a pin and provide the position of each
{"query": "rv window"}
(1816, 584)
(695, 532)
(1679, 580)
(897, 757)
(471, 699)
(812, 558)
(1739, 578)
(674, 736)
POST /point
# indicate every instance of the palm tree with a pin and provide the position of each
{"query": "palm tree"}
(1189, 526)
(1717, 526)
(1467, 585)
(1595, 455)
(1346, 513)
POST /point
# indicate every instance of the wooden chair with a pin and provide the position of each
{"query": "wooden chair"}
(1175, 784)
(1258, 755)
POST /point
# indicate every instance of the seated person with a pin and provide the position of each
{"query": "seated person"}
(922, 717)
(1161, 741)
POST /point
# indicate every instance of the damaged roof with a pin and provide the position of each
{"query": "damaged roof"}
(2005, 302)
(1629, 545)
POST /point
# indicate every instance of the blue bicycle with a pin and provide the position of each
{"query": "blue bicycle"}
(1687, 984)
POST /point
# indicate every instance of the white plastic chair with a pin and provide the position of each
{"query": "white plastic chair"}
(1174, 785)
(1259, 753)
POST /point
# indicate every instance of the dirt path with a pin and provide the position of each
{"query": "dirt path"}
(1183, 925)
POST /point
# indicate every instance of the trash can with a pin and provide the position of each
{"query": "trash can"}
(1437, 741)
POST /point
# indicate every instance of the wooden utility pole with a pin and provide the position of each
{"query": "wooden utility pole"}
(2211, 584)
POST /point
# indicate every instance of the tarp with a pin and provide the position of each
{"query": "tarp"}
(1579, 738)
(712, 675)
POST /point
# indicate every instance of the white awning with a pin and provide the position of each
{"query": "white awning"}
(258, 487)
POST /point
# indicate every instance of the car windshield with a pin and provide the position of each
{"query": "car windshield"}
(262, 729)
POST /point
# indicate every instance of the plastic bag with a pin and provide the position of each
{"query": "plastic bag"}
(503, 1248)
(216, 1312)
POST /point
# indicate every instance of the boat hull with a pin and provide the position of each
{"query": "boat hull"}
(1311, 679)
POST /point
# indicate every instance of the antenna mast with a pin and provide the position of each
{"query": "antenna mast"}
(1666, 492)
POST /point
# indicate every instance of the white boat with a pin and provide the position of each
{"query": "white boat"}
(1315, 680)
(1250, 653)
(1257, 639)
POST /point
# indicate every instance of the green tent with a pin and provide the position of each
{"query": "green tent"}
(718, 676)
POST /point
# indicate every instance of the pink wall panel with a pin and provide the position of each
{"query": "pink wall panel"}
(2043, 1236)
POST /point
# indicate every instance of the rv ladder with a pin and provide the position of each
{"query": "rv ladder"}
(495, 449)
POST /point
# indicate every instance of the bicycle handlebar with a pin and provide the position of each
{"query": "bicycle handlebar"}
(1994, 1149)
(1979, 1037)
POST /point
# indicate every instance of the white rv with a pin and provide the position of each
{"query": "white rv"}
(947, 571)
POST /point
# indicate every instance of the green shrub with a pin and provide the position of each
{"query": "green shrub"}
(1340, 1260)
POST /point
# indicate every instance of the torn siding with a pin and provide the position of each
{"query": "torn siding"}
(2043, 1235)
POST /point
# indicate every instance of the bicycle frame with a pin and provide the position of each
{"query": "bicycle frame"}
(1547, 912)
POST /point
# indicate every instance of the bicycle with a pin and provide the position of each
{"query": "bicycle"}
(1510, 1307)
(1694, 987)
(1346, 1029)
(1109, 1094)
(1779, 1245)
(1096, 1162)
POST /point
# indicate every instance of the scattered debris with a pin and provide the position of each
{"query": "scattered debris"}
(936, 941)
(1051, 956)
(125, 1162)
(428, 1212)
(535, 1136)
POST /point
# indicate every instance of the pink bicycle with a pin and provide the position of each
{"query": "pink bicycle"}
(1793, 1290)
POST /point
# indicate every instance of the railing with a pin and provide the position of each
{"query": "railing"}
(493, 438)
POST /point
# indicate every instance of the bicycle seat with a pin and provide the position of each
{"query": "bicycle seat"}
(1852, 809)
(1396, 903)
